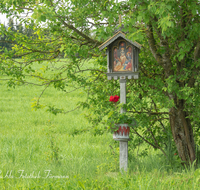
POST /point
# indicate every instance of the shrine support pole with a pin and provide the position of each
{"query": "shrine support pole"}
(123, 145)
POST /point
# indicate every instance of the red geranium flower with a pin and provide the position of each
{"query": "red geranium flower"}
(114, 98)
(111, 98)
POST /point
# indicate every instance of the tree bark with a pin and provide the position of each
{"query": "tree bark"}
(183, 134)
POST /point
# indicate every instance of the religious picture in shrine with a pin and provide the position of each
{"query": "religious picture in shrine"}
(122, 57)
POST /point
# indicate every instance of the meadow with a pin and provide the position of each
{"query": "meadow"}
(40, 150)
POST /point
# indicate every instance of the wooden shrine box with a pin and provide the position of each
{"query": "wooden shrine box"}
(122, 57)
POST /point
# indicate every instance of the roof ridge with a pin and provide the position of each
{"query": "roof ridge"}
(118, 34)
(111, 38)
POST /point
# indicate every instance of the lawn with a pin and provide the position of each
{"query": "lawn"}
(40, 150)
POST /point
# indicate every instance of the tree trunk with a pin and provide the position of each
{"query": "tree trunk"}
(183, 134)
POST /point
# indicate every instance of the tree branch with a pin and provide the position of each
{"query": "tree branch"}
(152, 44)
(197, 51)
(150, 113)
(90, 40)
(144, 138)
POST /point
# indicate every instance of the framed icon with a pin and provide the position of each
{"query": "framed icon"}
(122, 59)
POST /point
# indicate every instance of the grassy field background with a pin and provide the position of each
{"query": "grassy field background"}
(42, 151)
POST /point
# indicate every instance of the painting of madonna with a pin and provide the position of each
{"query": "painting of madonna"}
(122, 58)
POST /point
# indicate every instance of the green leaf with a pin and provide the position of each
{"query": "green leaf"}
(43, 18)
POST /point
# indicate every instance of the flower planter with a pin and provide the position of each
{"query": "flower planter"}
(122, 134)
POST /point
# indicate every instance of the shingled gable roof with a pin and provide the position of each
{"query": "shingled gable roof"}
(113, 38)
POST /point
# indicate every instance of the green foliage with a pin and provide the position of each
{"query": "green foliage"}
(69, 146)
(169, 58)
(53, 110)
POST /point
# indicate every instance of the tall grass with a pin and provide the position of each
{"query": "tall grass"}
(42, 151)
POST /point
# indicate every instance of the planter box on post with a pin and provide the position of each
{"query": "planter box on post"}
(122, 63)
(122, 132)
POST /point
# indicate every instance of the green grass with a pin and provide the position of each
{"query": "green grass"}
(67, 146)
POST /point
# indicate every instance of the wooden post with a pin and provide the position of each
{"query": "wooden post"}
(123, 145)
(122, 92)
